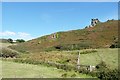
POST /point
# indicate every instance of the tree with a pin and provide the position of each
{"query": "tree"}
(10, 40)
(86, 27)
(20, 40)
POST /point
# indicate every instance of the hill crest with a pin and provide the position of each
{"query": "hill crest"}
(102, 35)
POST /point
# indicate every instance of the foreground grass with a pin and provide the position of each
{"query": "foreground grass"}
(19, 70)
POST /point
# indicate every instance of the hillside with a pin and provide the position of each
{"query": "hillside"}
(103, 35)
(4, 41)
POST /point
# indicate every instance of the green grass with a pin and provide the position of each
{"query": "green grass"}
(19, 70)
(108, 55)
(12, 69)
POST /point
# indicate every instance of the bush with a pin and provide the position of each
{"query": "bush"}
(8, 53)
(20, 40)
(102, 66)
(83, 71)
(10, 40)
(109, 75)
(113, 46)
(73, 75)
(88, 51)
(64, 75)
(104, 73)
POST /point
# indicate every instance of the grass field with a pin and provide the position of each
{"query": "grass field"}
(19, 70)
(108, 55)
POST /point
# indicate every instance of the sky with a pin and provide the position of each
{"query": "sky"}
(29, 20)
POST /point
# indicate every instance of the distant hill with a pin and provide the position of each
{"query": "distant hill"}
(102, 35)
(4, 40)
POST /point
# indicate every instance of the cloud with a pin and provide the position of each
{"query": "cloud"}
(16, 35)
(7, 33)
(23, 34)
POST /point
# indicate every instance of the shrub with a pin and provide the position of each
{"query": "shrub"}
(20, 40)
(104, 73)
(88, 51)
(58, 47)
(73, 75)
(64, 75)
(113, 46)
(102, 66)
(10, 40)
(109, 75)
(83, 71)
(8, 53)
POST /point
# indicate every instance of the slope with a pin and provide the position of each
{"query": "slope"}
(103, 35)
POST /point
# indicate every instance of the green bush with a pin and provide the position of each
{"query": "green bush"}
(84, 71)
(104, 73)
(109, 75)
(88, 51)
(20, 40)
(64, 75)
(8, 53)
(10, 40)
(102, 66)
(73, 75)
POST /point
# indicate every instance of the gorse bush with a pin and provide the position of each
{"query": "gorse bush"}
(109, 75)
(104, 73)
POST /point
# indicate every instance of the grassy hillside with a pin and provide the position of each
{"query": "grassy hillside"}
(100, 36)
(57, 51)
(87, 57)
